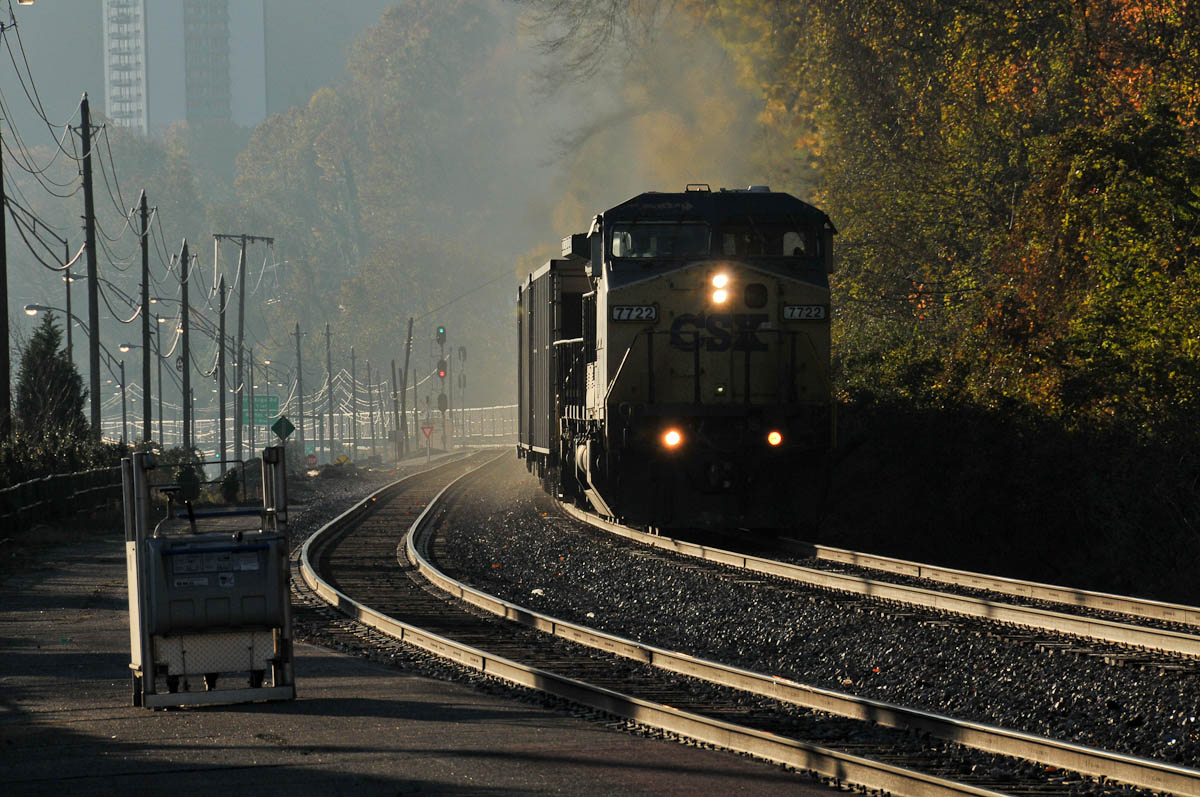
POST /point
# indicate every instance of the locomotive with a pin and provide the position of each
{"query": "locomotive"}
(674, 363)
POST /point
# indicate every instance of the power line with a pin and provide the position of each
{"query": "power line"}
(118, 319)
(464, 294)
(36, 99)
(113, 165)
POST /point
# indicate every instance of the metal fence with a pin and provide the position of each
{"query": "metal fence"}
(57, 496)
(64, 494)
(469, 426)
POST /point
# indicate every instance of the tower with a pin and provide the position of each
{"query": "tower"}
(206, 60)
(126, 99)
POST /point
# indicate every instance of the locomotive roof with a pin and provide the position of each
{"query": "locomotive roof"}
(714, 207)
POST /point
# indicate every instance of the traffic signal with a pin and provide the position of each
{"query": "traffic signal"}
(442, 402)
(442, 368)
(441, 336)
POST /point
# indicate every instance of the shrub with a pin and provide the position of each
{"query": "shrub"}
(230, 486)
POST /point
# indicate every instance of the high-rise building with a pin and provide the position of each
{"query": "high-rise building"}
(206, 61)
(126, 95)
(279, 53)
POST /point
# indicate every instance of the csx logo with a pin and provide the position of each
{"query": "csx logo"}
(723, 331)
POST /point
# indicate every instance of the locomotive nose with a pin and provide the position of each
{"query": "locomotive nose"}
(720, 475)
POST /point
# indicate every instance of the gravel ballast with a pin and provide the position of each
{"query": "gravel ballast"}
(515, 544)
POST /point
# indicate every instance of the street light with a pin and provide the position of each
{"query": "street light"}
(125, 347)
(33, 309)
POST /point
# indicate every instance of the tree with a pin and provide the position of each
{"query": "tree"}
(50, 395)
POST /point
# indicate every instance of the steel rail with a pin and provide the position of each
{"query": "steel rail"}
(1142, 772)
(1101, 601)
(845, 767)
(1096, 628)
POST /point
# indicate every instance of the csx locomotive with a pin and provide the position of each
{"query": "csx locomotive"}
(674, 363)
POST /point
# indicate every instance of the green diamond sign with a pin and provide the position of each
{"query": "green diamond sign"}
(282, 428)
(265, 409)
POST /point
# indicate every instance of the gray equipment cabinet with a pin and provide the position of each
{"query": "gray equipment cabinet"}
(209, 613)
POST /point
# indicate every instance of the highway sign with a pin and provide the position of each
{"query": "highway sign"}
(428, 430)
(265, 409)
(282, 428)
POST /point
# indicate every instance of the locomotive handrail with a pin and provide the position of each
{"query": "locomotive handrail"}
(620, 367)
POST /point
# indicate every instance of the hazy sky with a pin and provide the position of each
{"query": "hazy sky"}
(539, 167)
(305, 49)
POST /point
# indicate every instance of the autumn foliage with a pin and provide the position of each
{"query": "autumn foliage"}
(1017, 301)
(1018, 187)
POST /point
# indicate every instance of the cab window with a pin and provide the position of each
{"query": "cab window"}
(769, 240)
(659, 240)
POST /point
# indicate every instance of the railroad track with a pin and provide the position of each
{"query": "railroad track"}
(760, 715)
(1170, 615)
(1173, 635)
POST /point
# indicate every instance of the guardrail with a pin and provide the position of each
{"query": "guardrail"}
(58, 495)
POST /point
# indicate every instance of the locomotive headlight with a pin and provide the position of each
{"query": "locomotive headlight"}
(774, 438)
(720, 281)
(672, 438)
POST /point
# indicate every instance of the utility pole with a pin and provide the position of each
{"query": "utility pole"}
(239, 414)
(443, 367)
(396, 411)
(162, 441)
(5, 365)
(463, 423)
(146, 353)
(89, 234)
(416, 407)
(240, 375)
(383, 418)
(402, 419)
(124, 411)
(299, 387)
(250, 386)
(329, 371)
(320, 421)
(353, 406)
(221, 297)
(189, 437)
(371, 409)
(70, 323)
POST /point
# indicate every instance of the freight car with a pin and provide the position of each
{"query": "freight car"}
(673, 364)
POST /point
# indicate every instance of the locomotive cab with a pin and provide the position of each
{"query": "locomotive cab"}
(698, 393)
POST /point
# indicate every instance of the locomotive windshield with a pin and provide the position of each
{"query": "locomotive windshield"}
(660, 240)
(752, 238)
